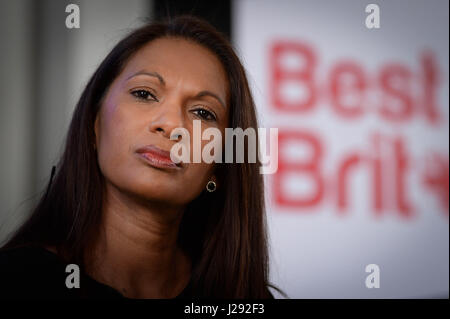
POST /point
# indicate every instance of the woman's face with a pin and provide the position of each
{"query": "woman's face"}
(156, 92)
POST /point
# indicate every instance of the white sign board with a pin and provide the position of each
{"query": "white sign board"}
(359, 205)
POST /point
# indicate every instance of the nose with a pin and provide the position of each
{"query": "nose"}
(167, 116)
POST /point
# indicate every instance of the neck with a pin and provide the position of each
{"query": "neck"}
(136, 251)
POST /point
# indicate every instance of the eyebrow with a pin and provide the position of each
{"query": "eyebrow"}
(163, 83)
(208, 93)
(154, 74)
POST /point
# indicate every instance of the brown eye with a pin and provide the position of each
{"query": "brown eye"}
(205, 114)
(143, 95)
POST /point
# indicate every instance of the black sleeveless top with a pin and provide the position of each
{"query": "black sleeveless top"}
(36, 273)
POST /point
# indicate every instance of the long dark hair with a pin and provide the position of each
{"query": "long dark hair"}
(224, 232)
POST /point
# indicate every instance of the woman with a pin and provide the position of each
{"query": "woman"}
(136, 225)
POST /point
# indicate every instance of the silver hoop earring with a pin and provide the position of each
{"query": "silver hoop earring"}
(211, 186)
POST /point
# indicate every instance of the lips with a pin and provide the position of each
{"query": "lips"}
(156, 156)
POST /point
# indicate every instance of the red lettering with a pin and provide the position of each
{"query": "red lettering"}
(430, 81)
(395, 82)
(401, 166)
(302, 77)
(310, 168)
(351, 161)
(347, 83)
(436, 178)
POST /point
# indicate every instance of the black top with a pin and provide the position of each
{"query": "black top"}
(35, 272)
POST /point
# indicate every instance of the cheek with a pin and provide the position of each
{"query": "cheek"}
(116, 137)
(198, 174)
(196, 177)
(114, 134)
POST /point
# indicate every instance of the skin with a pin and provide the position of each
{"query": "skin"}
(136, 251)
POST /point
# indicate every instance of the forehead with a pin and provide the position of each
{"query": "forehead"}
(177, 59)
